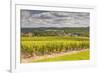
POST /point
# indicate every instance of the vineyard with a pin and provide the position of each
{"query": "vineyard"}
(39, 46)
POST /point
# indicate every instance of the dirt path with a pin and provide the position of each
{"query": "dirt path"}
(29, 60)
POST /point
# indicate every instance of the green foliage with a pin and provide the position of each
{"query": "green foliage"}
(49, 45)
(53, 31)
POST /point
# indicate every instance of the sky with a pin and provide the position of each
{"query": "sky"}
(37, 18)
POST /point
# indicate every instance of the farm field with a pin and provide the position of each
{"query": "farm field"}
(40, 46)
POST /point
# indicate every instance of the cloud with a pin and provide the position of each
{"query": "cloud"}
(32, 19)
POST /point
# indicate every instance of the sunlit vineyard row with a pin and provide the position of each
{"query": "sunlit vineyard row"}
(50, 38)
(35, 46)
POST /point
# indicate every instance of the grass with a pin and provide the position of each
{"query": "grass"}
(83, 55)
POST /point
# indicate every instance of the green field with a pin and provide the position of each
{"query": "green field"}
(84, 55)
(48, 45)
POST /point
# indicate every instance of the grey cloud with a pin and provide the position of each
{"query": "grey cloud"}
(53, 19)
